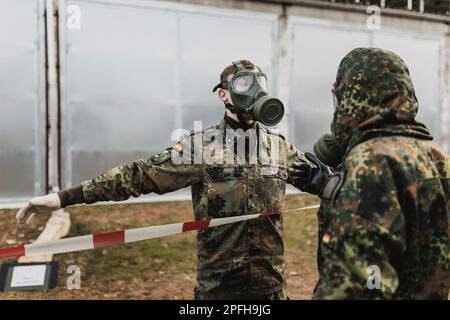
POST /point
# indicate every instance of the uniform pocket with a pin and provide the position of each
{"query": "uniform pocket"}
(220, 174)
(225, 191)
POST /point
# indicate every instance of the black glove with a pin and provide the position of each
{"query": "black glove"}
(309, 179)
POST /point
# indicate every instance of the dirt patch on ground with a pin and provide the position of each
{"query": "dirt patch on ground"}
(160, 268)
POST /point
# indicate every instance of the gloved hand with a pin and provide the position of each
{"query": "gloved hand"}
(309, 179)
(37, 205)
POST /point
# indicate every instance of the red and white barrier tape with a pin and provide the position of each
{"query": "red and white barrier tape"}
(98, 240)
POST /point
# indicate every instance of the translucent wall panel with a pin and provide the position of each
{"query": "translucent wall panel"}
(119, 80)
(22, 93)
(423, 59)
(208, 43)
(317, 48)
(134, 71)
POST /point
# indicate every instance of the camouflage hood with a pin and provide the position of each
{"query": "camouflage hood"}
(376, 97)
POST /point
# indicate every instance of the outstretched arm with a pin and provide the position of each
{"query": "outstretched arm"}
(158, 174)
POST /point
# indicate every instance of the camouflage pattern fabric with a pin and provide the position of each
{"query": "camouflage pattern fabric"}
(235, 260)
(222, 294)
(388, 205)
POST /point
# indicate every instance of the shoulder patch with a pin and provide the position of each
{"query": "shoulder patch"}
(160, 157)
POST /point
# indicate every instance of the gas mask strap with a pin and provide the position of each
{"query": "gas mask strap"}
(230, 107)
(240, 67)
(221, 85)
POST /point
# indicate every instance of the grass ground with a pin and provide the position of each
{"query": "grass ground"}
(160, 268)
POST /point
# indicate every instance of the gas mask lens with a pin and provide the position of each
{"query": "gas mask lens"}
(262, 81)
(242, 83)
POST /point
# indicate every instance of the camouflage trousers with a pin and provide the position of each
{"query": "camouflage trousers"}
(229, 294)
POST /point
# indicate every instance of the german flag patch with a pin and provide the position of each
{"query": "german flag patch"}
(326, 238)
(178, 147)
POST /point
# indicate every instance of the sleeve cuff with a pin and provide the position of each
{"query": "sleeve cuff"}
(71, 196)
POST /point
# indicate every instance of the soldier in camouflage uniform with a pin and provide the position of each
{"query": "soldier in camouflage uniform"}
(388, 203)
(236, 261)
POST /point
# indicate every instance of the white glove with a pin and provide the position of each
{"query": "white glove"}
(37, 205)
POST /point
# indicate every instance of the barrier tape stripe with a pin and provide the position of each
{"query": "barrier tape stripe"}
(104, 239)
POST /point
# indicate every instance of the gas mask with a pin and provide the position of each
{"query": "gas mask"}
(248, 91)
(328, 151)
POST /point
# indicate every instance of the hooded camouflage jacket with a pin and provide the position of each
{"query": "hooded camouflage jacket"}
(243, 259)
(387, 208)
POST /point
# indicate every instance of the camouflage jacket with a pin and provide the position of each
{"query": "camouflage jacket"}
(244, 258)
(386, 211)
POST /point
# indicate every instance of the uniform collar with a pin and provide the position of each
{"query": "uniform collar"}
(236, 124)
